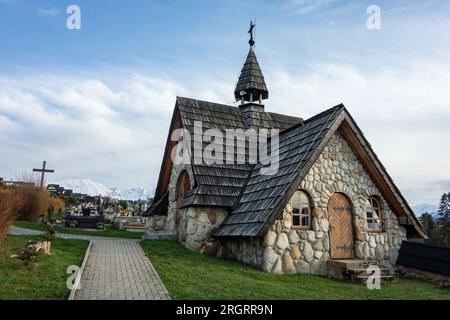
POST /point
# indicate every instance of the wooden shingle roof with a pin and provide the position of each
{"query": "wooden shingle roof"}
(251, 79)
(264, 195)
(218, 184)
(257, 200)
(263, 198)
(221, 184)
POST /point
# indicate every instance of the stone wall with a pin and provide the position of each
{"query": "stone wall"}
(172, 187)
(198, 223)
(249, 251)
(156, 223)
(307, 251)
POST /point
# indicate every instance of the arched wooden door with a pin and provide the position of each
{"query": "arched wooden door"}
(341, 227)
(183, 187)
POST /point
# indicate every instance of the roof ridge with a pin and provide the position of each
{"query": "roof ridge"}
(321, 114)
(211, 102)
(284, 115)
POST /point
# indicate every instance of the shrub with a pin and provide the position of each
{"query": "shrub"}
(10, 205)
(57, 204)
(51, 232)
(35, 202)
(29, 253)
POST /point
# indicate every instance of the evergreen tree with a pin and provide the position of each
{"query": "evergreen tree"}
(444, 219)
(431, 228)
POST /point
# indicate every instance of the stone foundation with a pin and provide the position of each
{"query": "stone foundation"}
(249, 251)
(156, 223)
(442, 280)
(197, 225)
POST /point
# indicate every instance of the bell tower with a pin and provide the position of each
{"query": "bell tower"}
(251, 87)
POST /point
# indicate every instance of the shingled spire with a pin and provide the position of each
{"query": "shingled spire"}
(251, 86)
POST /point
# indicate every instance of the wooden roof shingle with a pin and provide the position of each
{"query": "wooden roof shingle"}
(251, 79)
(263, 195)
(221, 184)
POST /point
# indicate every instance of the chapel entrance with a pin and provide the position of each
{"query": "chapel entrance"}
(341, 227)
(183, 187)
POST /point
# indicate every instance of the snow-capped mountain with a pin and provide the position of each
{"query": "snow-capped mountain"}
(94, 188)
(425, 207)
(85, 186)
(130, 194)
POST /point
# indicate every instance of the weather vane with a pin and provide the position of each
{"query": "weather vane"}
(251, 41)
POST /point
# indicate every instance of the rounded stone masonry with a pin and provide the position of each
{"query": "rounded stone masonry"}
(156, 223)
(337, 170)
(172, 187)
(200, 224)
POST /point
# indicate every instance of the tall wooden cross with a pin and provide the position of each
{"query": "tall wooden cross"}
(43, 171)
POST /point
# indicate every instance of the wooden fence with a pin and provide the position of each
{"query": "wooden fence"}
(425, 257)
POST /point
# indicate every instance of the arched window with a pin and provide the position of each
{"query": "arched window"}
(300, 210)
(374, 213)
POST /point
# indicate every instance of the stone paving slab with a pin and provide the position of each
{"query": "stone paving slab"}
(119, 270)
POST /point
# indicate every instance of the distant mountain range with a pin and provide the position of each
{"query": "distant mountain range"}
(425, 207)
(94, 188)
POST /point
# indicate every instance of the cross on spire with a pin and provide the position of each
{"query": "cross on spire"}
(43, 171)
(251, 42)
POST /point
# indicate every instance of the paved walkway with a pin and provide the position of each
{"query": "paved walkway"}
(116, 269)
(18, 231)
(119, 270)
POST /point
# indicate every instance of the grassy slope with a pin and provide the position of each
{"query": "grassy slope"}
(189, 275)
(45, 279)
(103, 233)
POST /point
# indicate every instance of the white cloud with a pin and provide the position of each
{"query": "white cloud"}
(305, 7)
(47, 12)
(99, 128)
(113, 127)
(404, 113)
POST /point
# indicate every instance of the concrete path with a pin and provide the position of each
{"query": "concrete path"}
(119, 270)
(116, 269)
(18, 231)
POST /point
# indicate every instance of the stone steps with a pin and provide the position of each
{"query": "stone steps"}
(356, 270)
(156, 235)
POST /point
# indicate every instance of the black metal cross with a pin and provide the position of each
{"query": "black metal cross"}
(43, 171)
(251, 41)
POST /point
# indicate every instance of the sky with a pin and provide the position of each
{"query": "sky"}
(97, 102)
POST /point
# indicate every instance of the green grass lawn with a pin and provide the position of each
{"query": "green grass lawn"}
(109, 232)
(190, 275)
(44, 279)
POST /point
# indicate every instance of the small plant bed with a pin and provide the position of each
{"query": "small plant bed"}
(45, 276)
(205, 277)
(108, 232)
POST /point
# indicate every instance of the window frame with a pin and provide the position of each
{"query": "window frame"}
(300, 215)
(378, 209)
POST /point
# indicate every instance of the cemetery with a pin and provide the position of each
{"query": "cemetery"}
(179, 170)
(45, 247)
